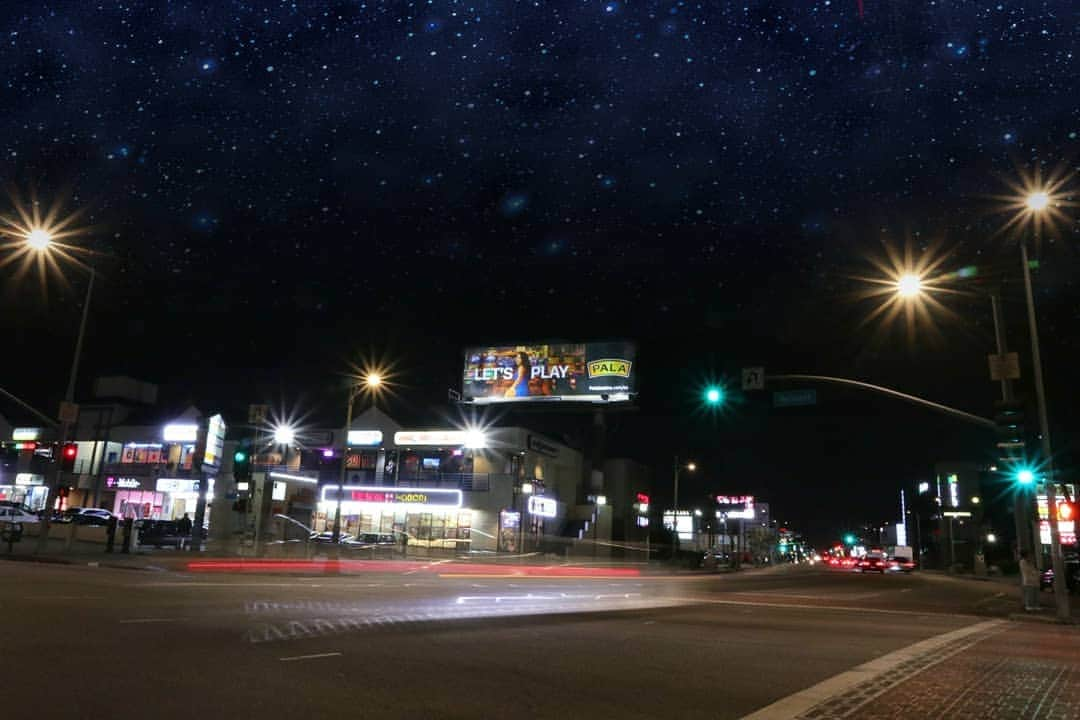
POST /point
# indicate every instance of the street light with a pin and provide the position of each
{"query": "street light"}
(1037, 201)
(909, 285)
(39, 239)
(284, 435)
(690, 466)
(371, 382)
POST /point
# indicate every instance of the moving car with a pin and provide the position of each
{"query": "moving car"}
(872, 563)
(900, 564)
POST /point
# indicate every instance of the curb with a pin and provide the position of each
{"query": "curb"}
(47, 560)
(1045, 619)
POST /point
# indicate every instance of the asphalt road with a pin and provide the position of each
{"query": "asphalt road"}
(80, 642)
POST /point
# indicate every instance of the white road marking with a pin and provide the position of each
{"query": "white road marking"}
(63, 597)
(309, 657)
(136, 621)
(796, 606)
(797, 703)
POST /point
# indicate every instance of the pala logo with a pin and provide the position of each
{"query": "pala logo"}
(609, 368)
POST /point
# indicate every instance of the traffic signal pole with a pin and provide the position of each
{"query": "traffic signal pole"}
(1021, 508)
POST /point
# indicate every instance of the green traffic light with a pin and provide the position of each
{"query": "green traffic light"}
(849, 539)
(714, 395)
(240, 456)
(1025, 477)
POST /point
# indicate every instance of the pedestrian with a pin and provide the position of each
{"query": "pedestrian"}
(183, 526)
(1029, 581)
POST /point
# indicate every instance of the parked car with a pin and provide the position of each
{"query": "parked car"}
(17, 514)
(161, 533)
(370, 540)
(1072, 574)
(92, 516)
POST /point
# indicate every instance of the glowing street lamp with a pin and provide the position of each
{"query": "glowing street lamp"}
(284, 435)
(1037, 201)
(371, 382)
(909, 285)
(39, 239)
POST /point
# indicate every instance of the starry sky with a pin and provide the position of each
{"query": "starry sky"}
(271, 189)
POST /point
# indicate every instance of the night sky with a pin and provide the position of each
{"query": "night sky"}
(271, 189)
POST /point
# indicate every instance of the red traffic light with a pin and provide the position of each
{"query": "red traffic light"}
(70, 451)
(642, 498)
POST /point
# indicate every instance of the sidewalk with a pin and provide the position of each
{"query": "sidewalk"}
(1024, 671)
(991, 670)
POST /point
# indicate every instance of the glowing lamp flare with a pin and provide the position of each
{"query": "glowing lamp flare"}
(284, 435)
(909, 286)
(1037, 201)
(39, 239)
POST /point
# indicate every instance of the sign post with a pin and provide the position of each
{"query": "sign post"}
(753, 378)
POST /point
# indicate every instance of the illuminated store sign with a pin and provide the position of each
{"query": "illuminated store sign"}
(24, 434)
(543, 507)
(177, 485)
(365, 437)
(176, 432)
(443, 438)
(123, 483)
(407, 498)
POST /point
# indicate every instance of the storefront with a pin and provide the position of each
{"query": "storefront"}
(28, 489)
(170, 498)
(429, 517)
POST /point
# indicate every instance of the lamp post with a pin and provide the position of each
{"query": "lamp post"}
(1038, 202)
(43, 243)
(690, 466)
(372, 382)
(910, 287)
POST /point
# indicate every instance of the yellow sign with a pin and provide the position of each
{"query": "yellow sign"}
(609, 368)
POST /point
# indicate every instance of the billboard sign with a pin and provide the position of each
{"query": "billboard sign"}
(215, 441)
(580, 372)
(735, 507)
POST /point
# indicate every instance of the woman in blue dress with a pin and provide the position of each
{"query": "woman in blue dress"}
(520, 387)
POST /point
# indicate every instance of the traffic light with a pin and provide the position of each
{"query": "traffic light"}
(714, 396)
(1066, 511)
(849, 539)
(241, 465)
(67, 457)
(641, 507)
(1025, 476)
(1011, 433)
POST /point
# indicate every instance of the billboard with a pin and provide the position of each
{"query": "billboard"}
(581, 372)
(215, 441)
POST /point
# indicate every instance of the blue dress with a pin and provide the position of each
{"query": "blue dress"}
(522, 388)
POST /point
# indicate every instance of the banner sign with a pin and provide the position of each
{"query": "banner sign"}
(581, 372)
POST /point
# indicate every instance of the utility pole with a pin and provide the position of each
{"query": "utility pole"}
(1061, 592)
(68, 416)
(201, 488)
